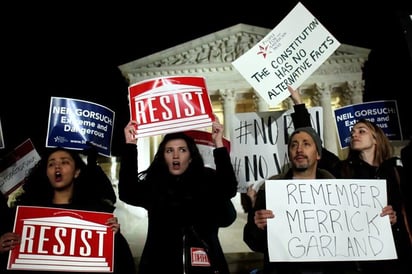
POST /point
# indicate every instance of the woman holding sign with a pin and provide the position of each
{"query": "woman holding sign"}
(61, 179)
(370, 157)
(187, 202)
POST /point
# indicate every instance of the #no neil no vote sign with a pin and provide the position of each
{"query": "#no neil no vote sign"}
(169, 104)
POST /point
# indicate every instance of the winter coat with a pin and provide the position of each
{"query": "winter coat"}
(184, 212)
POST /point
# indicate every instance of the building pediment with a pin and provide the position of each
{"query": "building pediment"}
(220, 47)
(211, 56)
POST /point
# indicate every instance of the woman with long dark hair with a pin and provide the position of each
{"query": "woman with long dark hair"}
(187, 202)
(61, 179)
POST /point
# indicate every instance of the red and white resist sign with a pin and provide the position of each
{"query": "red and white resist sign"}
(56, 239)
(170, 104)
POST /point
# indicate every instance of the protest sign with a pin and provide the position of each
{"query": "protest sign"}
(384, 114)
(287, 56)
(328, 220)
(259, 144)
(56, 239)
(169, 104)
(75, 124)
(15, 166)
(206, 146)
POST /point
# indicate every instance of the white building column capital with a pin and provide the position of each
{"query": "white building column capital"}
(227, 95)
(228, 100)
(355, 92)
(322, 94)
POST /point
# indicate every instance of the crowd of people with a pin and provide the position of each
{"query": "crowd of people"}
(175, 190)
(187, 203)
(370, 157)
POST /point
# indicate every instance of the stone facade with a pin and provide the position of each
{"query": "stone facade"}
(337, 82)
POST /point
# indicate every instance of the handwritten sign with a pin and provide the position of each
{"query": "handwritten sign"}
(328, 220)
(169, 104)
(75, 123)
(55, 239)
(384, 114)
(287, 56)
(15, 166)
(259, 144)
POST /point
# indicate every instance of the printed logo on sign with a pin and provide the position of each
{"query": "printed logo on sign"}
(263, 50)
(199, 257)
(60, 139)
(164, 105)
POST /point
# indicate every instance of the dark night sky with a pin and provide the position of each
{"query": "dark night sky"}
(75, 50)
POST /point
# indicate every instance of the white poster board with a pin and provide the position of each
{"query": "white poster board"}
(328, 220)
(287, 56)
(259, 144)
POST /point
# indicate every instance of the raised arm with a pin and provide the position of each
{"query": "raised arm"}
(301, 116)
(217, 133)
(128, 173)
(295, 95)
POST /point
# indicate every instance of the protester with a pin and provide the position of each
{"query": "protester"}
(370, 157)
(186, 202)
(8, 239)
(304, 151)
(61, 179)
(406, 185)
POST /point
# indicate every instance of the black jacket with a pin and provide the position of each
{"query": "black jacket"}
(177, 206)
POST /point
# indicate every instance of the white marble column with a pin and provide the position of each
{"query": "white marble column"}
(143, 153)
(228, 97)
(329, 128)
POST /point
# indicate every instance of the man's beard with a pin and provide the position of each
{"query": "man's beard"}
(301, 168)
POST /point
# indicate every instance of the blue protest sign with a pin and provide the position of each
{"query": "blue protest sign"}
(382, 113)
(76, 123)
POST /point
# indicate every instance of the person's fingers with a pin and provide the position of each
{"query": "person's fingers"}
(9, 244)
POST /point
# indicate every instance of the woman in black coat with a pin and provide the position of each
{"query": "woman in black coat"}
(61, 179)
(186, 202)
